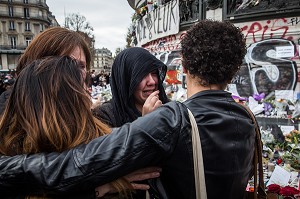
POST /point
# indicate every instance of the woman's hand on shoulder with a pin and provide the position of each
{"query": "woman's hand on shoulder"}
(133, 178)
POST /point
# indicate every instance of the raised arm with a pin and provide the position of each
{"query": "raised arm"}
(145, 142)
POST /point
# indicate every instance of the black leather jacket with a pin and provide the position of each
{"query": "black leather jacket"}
(159, 138)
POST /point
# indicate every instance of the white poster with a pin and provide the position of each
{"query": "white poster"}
(286, 129)
(284, 51)
(279, 176)
(232, 89)
(160, 22)
(284, 94)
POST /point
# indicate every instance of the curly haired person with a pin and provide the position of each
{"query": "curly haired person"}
(212, 53)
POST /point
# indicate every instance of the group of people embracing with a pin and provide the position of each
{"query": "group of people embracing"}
(53, 145)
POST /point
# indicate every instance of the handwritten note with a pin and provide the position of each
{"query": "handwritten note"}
(232, 88)
(286, 129)
(285, 51)
(284, 94)
(279, 176)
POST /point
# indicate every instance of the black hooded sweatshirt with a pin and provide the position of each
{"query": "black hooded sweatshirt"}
(128, 70)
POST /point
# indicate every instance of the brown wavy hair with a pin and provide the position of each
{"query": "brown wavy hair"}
(56, 41)
(49, 110)
(213, 51)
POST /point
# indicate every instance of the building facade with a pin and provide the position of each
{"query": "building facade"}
(103, 60)
(20, 22)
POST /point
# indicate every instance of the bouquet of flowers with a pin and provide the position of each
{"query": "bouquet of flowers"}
(287, 151)
(292, 149)
(286, 192)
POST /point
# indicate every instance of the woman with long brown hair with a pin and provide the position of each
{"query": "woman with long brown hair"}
(42, 118)
(48, 110)
(58, 41)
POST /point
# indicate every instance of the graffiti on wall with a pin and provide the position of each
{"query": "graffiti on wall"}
(283, 28)
(165, 44)
(264, 70)
(269, 29)
(167, 49)
(173, 62)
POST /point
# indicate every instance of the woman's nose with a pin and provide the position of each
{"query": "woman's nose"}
(150, 79)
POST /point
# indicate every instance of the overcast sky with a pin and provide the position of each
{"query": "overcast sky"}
(110, 19)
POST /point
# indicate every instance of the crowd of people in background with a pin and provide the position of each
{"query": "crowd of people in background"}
(7, 80)
(99, 79)
(99, 87)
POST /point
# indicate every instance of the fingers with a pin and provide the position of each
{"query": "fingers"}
(151, 103)
(143, 174)
(152, 97)
(133, 177)
(147, 170)
(140, 186)
(103, 189)
(155, 93)
(157, 104)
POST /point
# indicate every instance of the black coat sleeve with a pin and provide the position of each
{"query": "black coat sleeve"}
(145, 142)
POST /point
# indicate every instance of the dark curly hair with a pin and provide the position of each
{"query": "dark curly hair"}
(213, 51)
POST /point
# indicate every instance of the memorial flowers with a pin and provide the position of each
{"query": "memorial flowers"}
(288, 151)
(291, 149)
(283, 192)
(151, 5)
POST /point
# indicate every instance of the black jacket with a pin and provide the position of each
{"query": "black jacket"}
(105, 113)
(128, 70)
(159, 138)
(3, 100)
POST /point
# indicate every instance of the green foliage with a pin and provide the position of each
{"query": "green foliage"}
(290, 148)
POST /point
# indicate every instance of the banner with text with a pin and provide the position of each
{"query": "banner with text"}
(160, 22)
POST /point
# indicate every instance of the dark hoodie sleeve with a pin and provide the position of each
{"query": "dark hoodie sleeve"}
(105, 114)
(3, 100)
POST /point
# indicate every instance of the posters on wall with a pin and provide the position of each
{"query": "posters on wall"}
(270, 63)
(272, 56)
(284, 51)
